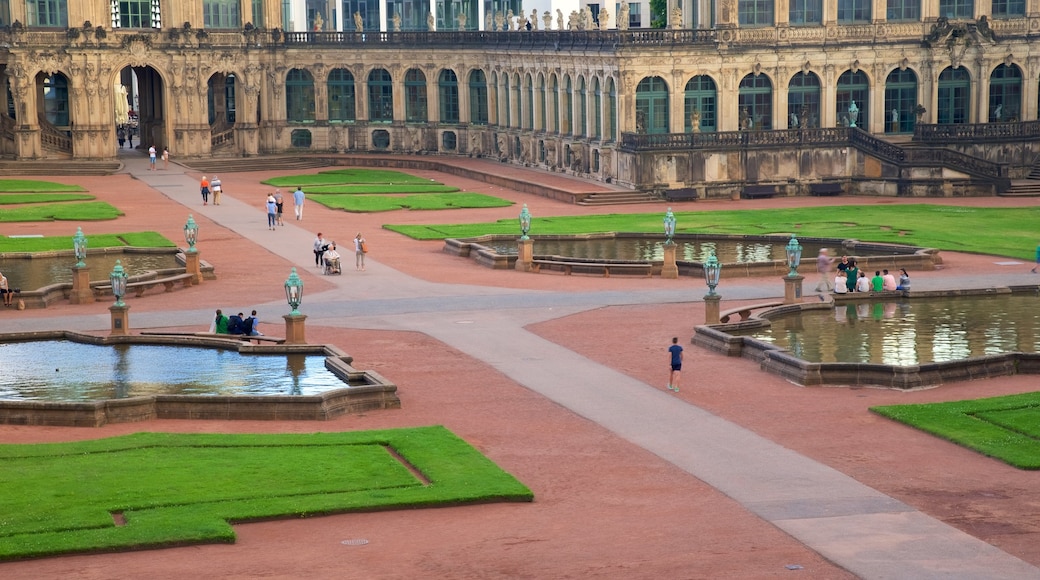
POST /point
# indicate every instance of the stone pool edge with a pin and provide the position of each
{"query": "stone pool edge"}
(375, 393)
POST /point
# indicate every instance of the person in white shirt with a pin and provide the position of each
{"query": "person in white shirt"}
(863, 283)
(840, 287)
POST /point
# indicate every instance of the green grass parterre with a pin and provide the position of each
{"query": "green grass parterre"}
(94, 241)
(176, 489)
(376, 203)
(1006, 428)
(34, 186)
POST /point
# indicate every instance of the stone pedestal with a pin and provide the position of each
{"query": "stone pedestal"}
(711, 308)
(81, 293)
(793, 289)
(295, 328)
(669, 269)
(192, 266)
(525, 253)
(120, 320)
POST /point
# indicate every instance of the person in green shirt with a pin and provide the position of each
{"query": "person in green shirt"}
(877, 283)
(220, 323)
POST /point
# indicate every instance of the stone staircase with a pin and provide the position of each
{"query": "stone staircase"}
(1028, 187)
(617, 198)
(240, 164)
(9, 167)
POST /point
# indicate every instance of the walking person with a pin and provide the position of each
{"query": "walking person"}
(151, 158)
(121, 136)
(676, 353)
(216, 188)
(166, 158)
(360, 249)
(1037, 259)
(824, 265)
(298, 199)
(272, 212)
(204, 188)
(319, 249)
(280, 205)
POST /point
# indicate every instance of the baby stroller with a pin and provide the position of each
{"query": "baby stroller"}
(332, 266)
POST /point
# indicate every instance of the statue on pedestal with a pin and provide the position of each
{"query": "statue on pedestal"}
(676, 19)
(559, 19)
(319, 22)
(853, 113)
(534, 19)
(622, 19)
(461, 18)
(695, 121)
(430, 22)
(547, 20)
(358, 24)
(509, 19)
(397, 22)
(604, 18)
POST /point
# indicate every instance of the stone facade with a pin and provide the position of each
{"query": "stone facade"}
(560, 99)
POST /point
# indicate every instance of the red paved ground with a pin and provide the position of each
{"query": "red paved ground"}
(604, 508)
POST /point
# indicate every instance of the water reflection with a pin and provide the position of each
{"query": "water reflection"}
(35, 273)
(910, 332)
(70, 371)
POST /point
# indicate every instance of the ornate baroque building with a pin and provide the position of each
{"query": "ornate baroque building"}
(731, 91)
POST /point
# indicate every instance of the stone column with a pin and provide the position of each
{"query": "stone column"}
(295, 328)
(120, 319)
(81, 292)
(793, 289)
(669, 269)
(711, 308)
(192, 265)
(525, 254)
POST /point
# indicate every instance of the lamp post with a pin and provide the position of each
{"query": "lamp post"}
(525, 246)
(191, 255)
(793, 282)
(668, 268)
(294, 321)
(81, 292)
(712, 272)
(119, 310)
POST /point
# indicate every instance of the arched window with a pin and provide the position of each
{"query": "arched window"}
(528, 103)
(755, 12)
(611, 110)
(583, 109)
(448, 95)
(415, 96)
(1009, 8)
(957, 8)
(954, 96)
(380, 96)
(803, 101)
(597, 109)
(341, 96)
(652, 106)
(299, 96)
(567, 119)
(478, 98)
(56, 99)
(853, 86)
(900, 101)
(700, 104)
(542, 104)
(755, 103)
(1005, 94)
(554, 101)
(805, 12)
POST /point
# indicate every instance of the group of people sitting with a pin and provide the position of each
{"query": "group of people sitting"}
(237, 324)
(849, 278)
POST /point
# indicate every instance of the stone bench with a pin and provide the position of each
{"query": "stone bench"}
(568, 267)
(758, 191)
(139, 288)
(744, 312)
(831, 188)
(682, 194)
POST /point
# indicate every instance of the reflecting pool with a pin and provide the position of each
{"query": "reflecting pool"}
(34, 273)
(909, 331)
(69, 371)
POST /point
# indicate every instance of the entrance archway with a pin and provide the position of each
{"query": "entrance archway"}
(147, 107)
(222, 110)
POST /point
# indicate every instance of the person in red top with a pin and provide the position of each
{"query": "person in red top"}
(204, 188)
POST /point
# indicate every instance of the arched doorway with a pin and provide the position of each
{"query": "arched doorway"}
(146, 123)
(221, 110)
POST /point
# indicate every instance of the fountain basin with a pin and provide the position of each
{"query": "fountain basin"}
(362, 390)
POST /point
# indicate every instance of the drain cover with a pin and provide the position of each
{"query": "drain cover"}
(357, 542)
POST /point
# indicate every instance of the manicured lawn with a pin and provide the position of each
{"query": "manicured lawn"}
(76, 211)
(428, 187)
(52, 243)
(375, 203)
(176, 489)
(995, 231)
(340, 176)
(34, 185)
(18, 198)
(1007, 428)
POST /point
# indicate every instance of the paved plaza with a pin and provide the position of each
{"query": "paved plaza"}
(561, 381)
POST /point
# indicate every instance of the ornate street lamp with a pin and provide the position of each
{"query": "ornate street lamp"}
(191, 233)
(525, 222)
(669, 226)
(794, 256)
(118, 280)
(712, 271)
(79, 245)
(294, 292)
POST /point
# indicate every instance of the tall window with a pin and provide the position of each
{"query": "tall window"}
(597, 109)
(221, 14)
(566, 125)
(554, 104)
(299, 96)
(47, 12)
(635, 15)
(700, 104)
(853, 11)
(478, 98)
(957, 8)
(900, 101)
(5, 12)
(903, 10)
(514, 100)
(369, 10)
(583, 109)
(342, 104)
(448, 95)
(56, 100)
(755, 102)
(805, 12)
(542, 104)
(528, 103)
(380, 96)
(415, 96)
(755, 12)
(611, 110)
(508, 108)
(258, 13)
(652, 106)
(136, 14)
(853, 87)
(1005, 94)
(803, 101)
(1009, 8)
(954, 96)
